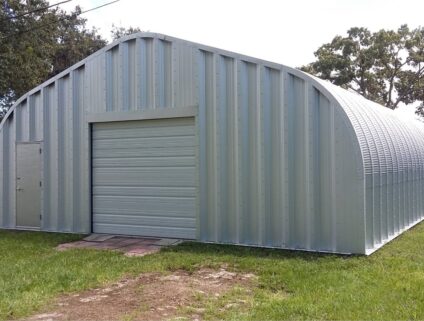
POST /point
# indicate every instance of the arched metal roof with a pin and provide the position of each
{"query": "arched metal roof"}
(388, 143)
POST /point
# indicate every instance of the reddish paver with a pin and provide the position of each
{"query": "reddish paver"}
(131, 246)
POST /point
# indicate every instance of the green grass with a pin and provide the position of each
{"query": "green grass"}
(388, 285)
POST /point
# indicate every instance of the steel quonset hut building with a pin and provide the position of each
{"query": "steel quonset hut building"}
(157, 136)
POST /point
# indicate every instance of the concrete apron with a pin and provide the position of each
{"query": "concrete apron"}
(129, 245)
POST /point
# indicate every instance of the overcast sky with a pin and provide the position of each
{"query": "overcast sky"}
(287, 32)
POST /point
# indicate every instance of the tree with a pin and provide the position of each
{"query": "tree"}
(385, 66)
(74, 41)
(119, 32)
(38, 43)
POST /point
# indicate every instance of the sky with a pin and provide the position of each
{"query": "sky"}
(286, 32)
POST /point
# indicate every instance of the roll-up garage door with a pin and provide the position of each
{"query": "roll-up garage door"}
(144, 180)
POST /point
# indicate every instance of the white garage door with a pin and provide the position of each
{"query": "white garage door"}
(144, 180)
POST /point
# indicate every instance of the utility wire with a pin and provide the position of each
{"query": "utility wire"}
(62, 19)
(35, 10)
(101, 6)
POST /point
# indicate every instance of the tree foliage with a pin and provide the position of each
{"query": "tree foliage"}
(119, 32)
(38, 43)
(386, 66)
(74, 41)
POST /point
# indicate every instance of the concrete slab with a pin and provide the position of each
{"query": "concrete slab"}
(130, 246)
(167, 242)
(98, 237)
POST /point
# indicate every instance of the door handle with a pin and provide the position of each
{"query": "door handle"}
(19, 189)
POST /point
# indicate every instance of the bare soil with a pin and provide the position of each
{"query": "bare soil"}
(150, 296)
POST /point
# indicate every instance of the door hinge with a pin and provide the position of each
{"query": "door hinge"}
(41, 184)
(40, 150)
(40, 217)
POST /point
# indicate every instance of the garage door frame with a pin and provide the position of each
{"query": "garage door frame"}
(139, 115)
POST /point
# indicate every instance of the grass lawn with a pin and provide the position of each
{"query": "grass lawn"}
(388, 285)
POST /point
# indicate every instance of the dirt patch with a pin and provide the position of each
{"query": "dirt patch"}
(151, 296)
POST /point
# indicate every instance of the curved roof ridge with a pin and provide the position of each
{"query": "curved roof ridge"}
(164, 37)
(383, 135)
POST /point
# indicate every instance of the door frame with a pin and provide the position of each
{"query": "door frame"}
(140, 115)
(41, 147)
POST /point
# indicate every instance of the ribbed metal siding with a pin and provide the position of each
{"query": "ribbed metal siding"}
(274, 157)
(284, 159)
(393, 150)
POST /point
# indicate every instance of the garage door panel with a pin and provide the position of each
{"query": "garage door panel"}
(144, 180)
(143, 143)
(182, 131)
(151, 152)
(142, 176)
(144, 161)
(146, 205)
(152, 221)
(154, 231)
(144, 191)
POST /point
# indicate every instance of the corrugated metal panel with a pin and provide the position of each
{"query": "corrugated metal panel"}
(285, 160)
(144, 178)
(270, 192)
(392, 150)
